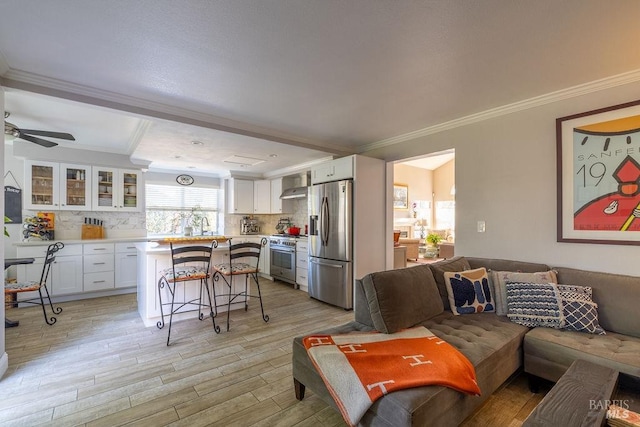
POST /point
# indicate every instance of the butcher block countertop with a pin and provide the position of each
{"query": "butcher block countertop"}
(190, 239)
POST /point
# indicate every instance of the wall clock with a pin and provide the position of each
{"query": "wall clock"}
(184, 179)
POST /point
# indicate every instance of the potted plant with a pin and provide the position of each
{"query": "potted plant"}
(432, 245)
(433, 239)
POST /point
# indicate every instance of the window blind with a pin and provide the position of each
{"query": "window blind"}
(177, 198)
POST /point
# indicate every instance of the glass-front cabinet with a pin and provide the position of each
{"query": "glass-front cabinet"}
(75, 187)
(56, 186)
(42, 190)
(116, 189)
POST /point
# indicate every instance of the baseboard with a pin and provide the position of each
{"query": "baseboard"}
(4, 364)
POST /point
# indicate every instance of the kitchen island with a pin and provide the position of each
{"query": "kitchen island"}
(154, 256)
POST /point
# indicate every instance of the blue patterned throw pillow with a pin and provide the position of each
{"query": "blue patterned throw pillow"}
(534, 304)
(581, 316)
(469, 291)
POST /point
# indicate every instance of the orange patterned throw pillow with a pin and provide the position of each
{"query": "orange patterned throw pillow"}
(469, 291)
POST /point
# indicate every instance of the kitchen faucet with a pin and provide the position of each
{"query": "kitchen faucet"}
(202, 221)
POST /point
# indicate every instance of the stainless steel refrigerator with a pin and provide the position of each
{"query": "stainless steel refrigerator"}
(330, 243)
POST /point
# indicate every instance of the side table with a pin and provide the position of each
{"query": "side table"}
(399, 256)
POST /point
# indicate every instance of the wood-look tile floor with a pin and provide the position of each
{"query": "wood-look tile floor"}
(100, 366)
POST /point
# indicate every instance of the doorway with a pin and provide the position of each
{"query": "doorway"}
(429, 183)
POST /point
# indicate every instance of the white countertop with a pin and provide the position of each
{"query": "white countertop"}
(118, 240)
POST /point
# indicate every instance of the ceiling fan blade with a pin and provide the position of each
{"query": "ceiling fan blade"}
(39, 141)
(59, 135)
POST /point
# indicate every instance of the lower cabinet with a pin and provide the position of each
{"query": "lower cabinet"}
(302, 264)
(126, 268)
(65, 276)
(98, 266)
(80, 268)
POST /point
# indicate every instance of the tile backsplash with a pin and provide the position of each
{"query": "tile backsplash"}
(68, 224)
(299, 218)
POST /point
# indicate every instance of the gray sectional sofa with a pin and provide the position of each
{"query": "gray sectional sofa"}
(389, 301)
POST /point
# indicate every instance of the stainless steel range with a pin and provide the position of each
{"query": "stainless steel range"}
(283, 258)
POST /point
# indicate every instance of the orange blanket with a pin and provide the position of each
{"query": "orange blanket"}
(359, 368)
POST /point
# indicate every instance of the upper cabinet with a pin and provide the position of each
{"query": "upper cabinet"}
(55, 186)
(116, 189)
(75, 188)
(334, 170)
(278, 205)
(42, 187)
(261, 197)
(239, 196)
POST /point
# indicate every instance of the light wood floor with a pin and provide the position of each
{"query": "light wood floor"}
(99, 366)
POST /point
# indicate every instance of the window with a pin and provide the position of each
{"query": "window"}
(445, 215)
(171, 208)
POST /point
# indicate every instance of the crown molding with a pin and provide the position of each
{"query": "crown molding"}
(572, 92)
(138, 134)
(66, 90)
(297, 168)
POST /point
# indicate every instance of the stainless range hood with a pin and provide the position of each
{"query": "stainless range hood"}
(294, 193)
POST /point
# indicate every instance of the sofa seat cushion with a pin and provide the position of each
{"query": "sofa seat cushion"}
(550, 352)
(493, 344)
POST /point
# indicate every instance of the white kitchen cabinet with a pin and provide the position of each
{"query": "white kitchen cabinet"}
(333, 170)
(126, 265)
(262, 197)
(42, 186)
(65, 276)
(75, 187)
(98, 266)
(302, 264)
(116, 189)
(279, 206)
(265, 261)
(239, 196)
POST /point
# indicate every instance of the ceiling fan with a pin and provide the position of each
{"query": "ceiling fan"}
(27, 134)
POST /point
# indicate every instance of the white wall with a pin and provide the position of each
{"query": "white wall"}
(506, 175)
(4, 360)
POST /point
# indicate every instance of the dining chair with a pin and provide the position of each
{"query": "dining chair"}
(40, 286)
(244, 259)
(188, 264)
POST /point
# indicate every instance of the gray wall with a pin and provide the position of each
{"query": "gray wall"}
(506, 175)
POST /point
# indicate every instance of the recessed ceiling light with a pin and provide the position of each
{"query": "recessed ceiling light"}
(177, 156)
(197, 142)
(273, 156)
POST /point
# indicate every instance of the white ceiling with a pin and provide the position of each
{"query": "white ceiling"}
(299, 79)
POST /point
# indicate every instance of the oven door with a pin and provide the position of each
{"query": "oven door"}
(283, 263)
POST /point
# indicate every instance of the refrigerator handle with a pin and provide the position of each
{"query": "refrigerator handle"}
(314, 261)
(325, 221)
(313, 225)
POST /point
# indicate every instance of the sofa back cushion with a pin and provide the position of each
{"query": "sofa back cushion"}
(616, 295)
(398, 299)
(493, 264)
(438, 269)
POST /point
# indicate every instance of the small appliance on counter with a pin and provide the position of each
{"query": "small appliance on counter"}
(249, 225)
(283, 225)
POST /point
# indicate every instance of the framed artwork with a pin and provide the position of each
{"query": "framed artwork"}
(598, 163)
(400, 196)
